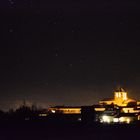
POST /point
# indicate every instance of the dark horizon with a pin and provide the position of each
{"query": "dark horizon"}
(68, 53)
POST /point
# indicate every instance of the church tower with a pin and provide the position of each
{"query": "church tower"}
(120, 96)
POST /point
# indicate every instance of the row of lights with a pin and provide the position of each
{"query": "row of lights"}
(107, 119)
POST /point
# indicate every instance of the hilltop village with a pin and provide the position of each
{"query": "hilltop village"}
(120, 109)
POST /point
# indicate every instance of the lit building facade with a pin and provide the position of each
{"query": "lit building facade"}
(65, 110)
(120, 99)
(120, 109)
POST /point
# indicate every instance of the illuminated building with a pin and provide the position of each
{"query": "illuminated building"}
(65, 110)
(121, 118)
(120, 109)
(126, 117)
(127, 109)
(42, 114)
(73, 110)
(106, 119)
(120, 99)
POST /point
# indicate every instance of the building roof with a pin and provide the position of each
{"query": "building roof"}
(66, 107)
(97, 106)
(119, 90)
(107, 99)
(127, 115)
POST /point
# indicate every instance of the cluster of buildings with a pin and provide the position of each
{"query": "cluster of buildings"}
(120, 109)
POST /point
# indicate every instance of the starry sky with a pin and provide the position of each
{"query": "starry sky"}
(68, 52)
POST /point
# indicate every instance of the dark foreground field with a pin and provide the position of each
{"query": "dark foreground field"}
(47, 131)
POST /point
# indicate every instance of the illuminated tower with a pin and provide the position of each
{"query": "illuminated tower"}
(120, 99)
(120, 96)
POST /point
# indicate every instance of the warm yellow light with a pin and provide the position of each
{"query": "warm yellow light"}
(124, 120)
(71, 110)
(117, 95)
(128, 120)
(124, 96)
(66, 110)
(99, 109)
(42, 115)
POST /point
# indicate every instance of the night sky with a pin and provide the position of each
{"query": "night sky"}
(62, 52)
